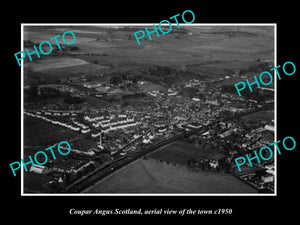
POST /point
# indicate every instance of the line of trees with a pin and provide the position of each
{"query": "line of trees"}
(255, 95)
(34, 94)
(203, 164)
(162, 75)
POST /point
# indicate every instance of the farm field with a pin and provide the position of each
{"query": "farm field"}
(211, 50)
(40, 133)
(146, 176)
(53, 63)
(179, 153)
(60, 66)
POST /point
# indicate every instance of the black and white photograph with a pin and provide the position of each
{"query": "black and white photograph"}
(161, 116)
(143, 111)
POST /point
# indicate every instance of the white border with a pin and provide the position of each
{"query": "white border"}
(149, 194)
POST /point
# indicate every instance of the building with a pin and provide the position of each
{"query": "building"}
(269, 128)
(213, 163)
(100, 144)
(37, 169)
(267, 178)
(225, 133)
(71, 165)
(196, 99)
(212, 101)
(194, 125)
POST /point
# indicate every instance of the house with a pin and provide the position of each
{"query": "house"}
(85, 131)
(260, 183)
(267, 178)
(269, 166)
(194, 125)
(269, 128)
(37, 169)
(213, 163)
(196, 99)
(225, 133)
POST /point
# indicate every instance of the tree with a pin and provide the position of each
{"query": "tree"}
(72, 100)
(104, 157)
(221, 163)
(33, 93)
(189, 163)
(115, 80)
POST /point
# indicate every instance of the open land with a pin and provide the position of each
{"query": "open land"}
(41, 133)
(213, 51)
(261, 115)
(179, 153)
(145, 176)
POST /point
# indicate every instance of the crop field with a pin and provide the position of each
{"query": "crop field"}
(145, 176)
(54, 63)
(83, 144)
(179, 153)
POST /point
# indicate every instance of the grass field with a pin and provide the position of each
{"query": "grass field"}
(212, 50)
(145, 176)
(179, 153)
(151, 87)
(40, 133)
(258, 116)
(53, 63)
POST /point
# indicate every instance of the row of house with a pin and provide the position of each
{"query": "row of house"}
(110, 127)
(53, 121)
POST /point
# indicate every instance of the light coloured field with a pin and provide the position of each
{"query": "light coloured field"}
(54, 63)
(145, 176)
(36, 36)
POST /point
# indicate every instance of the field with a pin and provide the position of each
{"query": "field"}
(41, 133)
(151, 87)
(259, 116)
(179, 153)
(59, 67)
(210, 50)
(34, 183)
(53, 63)
(145, 176)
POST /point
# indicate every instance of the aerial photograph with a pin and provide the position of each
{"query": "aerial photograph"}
(159, 118)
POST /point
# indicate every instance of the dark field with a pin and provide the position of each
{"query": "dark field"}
(179, 153)
(258, 116)
(41, 133)
(35, 183)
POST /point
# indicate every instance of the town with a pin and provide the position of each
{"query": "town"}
(112, 131)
